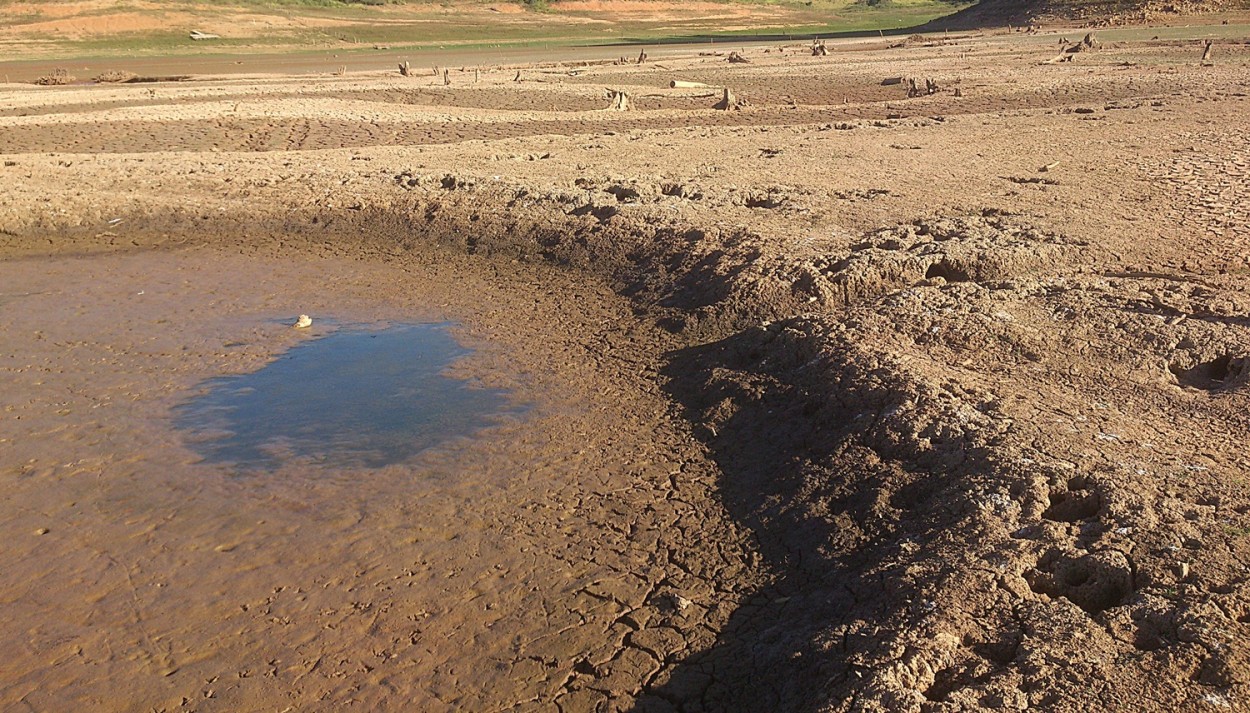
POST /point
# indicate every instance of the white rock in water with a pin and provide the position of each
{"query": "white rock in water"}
(303, 322)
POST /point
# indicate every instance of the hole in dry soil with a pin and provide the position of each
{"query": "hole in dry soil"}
(947, 272)
(1073, 506)
(1075, 577)
(354, 398)
(1209, 375)
(946, 681)
(766, 201)
(1095, 582)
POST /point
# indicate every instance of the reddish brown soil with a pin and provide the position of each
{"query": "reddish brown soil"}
(841, 401)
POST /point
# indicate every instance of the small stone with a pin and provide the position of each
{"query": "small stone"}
(41, 531)
(304, 322)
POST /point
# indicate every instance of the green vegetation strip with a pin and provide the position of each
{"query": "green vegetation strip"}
(364, 28)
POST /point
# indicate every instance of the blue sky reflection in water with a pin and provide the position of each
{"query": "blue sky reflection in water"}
(353, 398)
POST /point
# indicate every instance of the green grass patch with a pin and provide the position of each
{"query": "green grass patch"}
(441, 26)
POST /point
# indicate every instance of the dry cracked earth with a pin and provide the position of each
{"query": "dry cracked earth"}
(837, 401)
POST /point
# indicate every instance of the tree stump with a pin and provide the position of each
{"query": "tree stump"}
(819, 49)
(405, 69)
(60, 76)
(729, 102)
(446, 78)
(915, 89)
(736, 58)
(1206, 53)
(619, 101)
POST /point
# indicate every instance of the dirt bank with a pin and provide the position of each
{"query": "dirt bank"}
(845, 400)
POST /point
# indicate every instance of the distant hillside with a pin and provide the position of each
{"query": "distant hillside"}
(990, 13)
(94, 28)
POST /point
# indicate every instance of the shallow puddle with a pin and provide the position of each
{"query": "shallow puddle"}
(357, 397)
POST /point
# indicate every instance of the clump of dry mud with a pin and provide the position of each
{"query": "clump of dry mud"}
(975, 485)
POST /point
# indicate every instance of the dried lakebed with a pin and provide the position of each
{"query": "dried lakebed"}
(828, 411)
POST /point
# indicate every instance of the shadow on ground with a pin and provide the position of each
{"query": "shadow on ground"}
(826, 508)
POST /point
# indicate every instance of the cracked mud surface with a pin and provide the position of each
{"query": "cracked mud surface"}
(837, 402)
(548, 547)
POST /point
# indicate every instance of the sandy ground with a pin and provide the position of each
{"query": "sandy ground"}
(837, 401)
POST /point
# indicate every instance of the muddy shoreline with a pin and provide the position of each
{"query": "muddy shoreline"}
(402, 569)
(833, 414)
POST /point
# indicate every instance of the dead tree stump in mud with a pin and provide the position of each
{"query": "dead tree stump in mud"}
(1090, 42)
(405, 69)
(446, 78)
(517, 78)
(1206, 53)
(59, 77)
(642, 56)
(619, 101)
(736, 58)
(819, 49)
(729, 101)
(914, 88)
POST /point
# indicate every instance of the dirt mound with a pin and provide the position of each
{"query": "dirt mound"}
(987, 248)
(942, 541)
(712, 279)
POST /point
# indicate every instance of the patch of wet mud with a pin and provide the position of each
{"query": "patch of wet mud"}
(570, 556)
